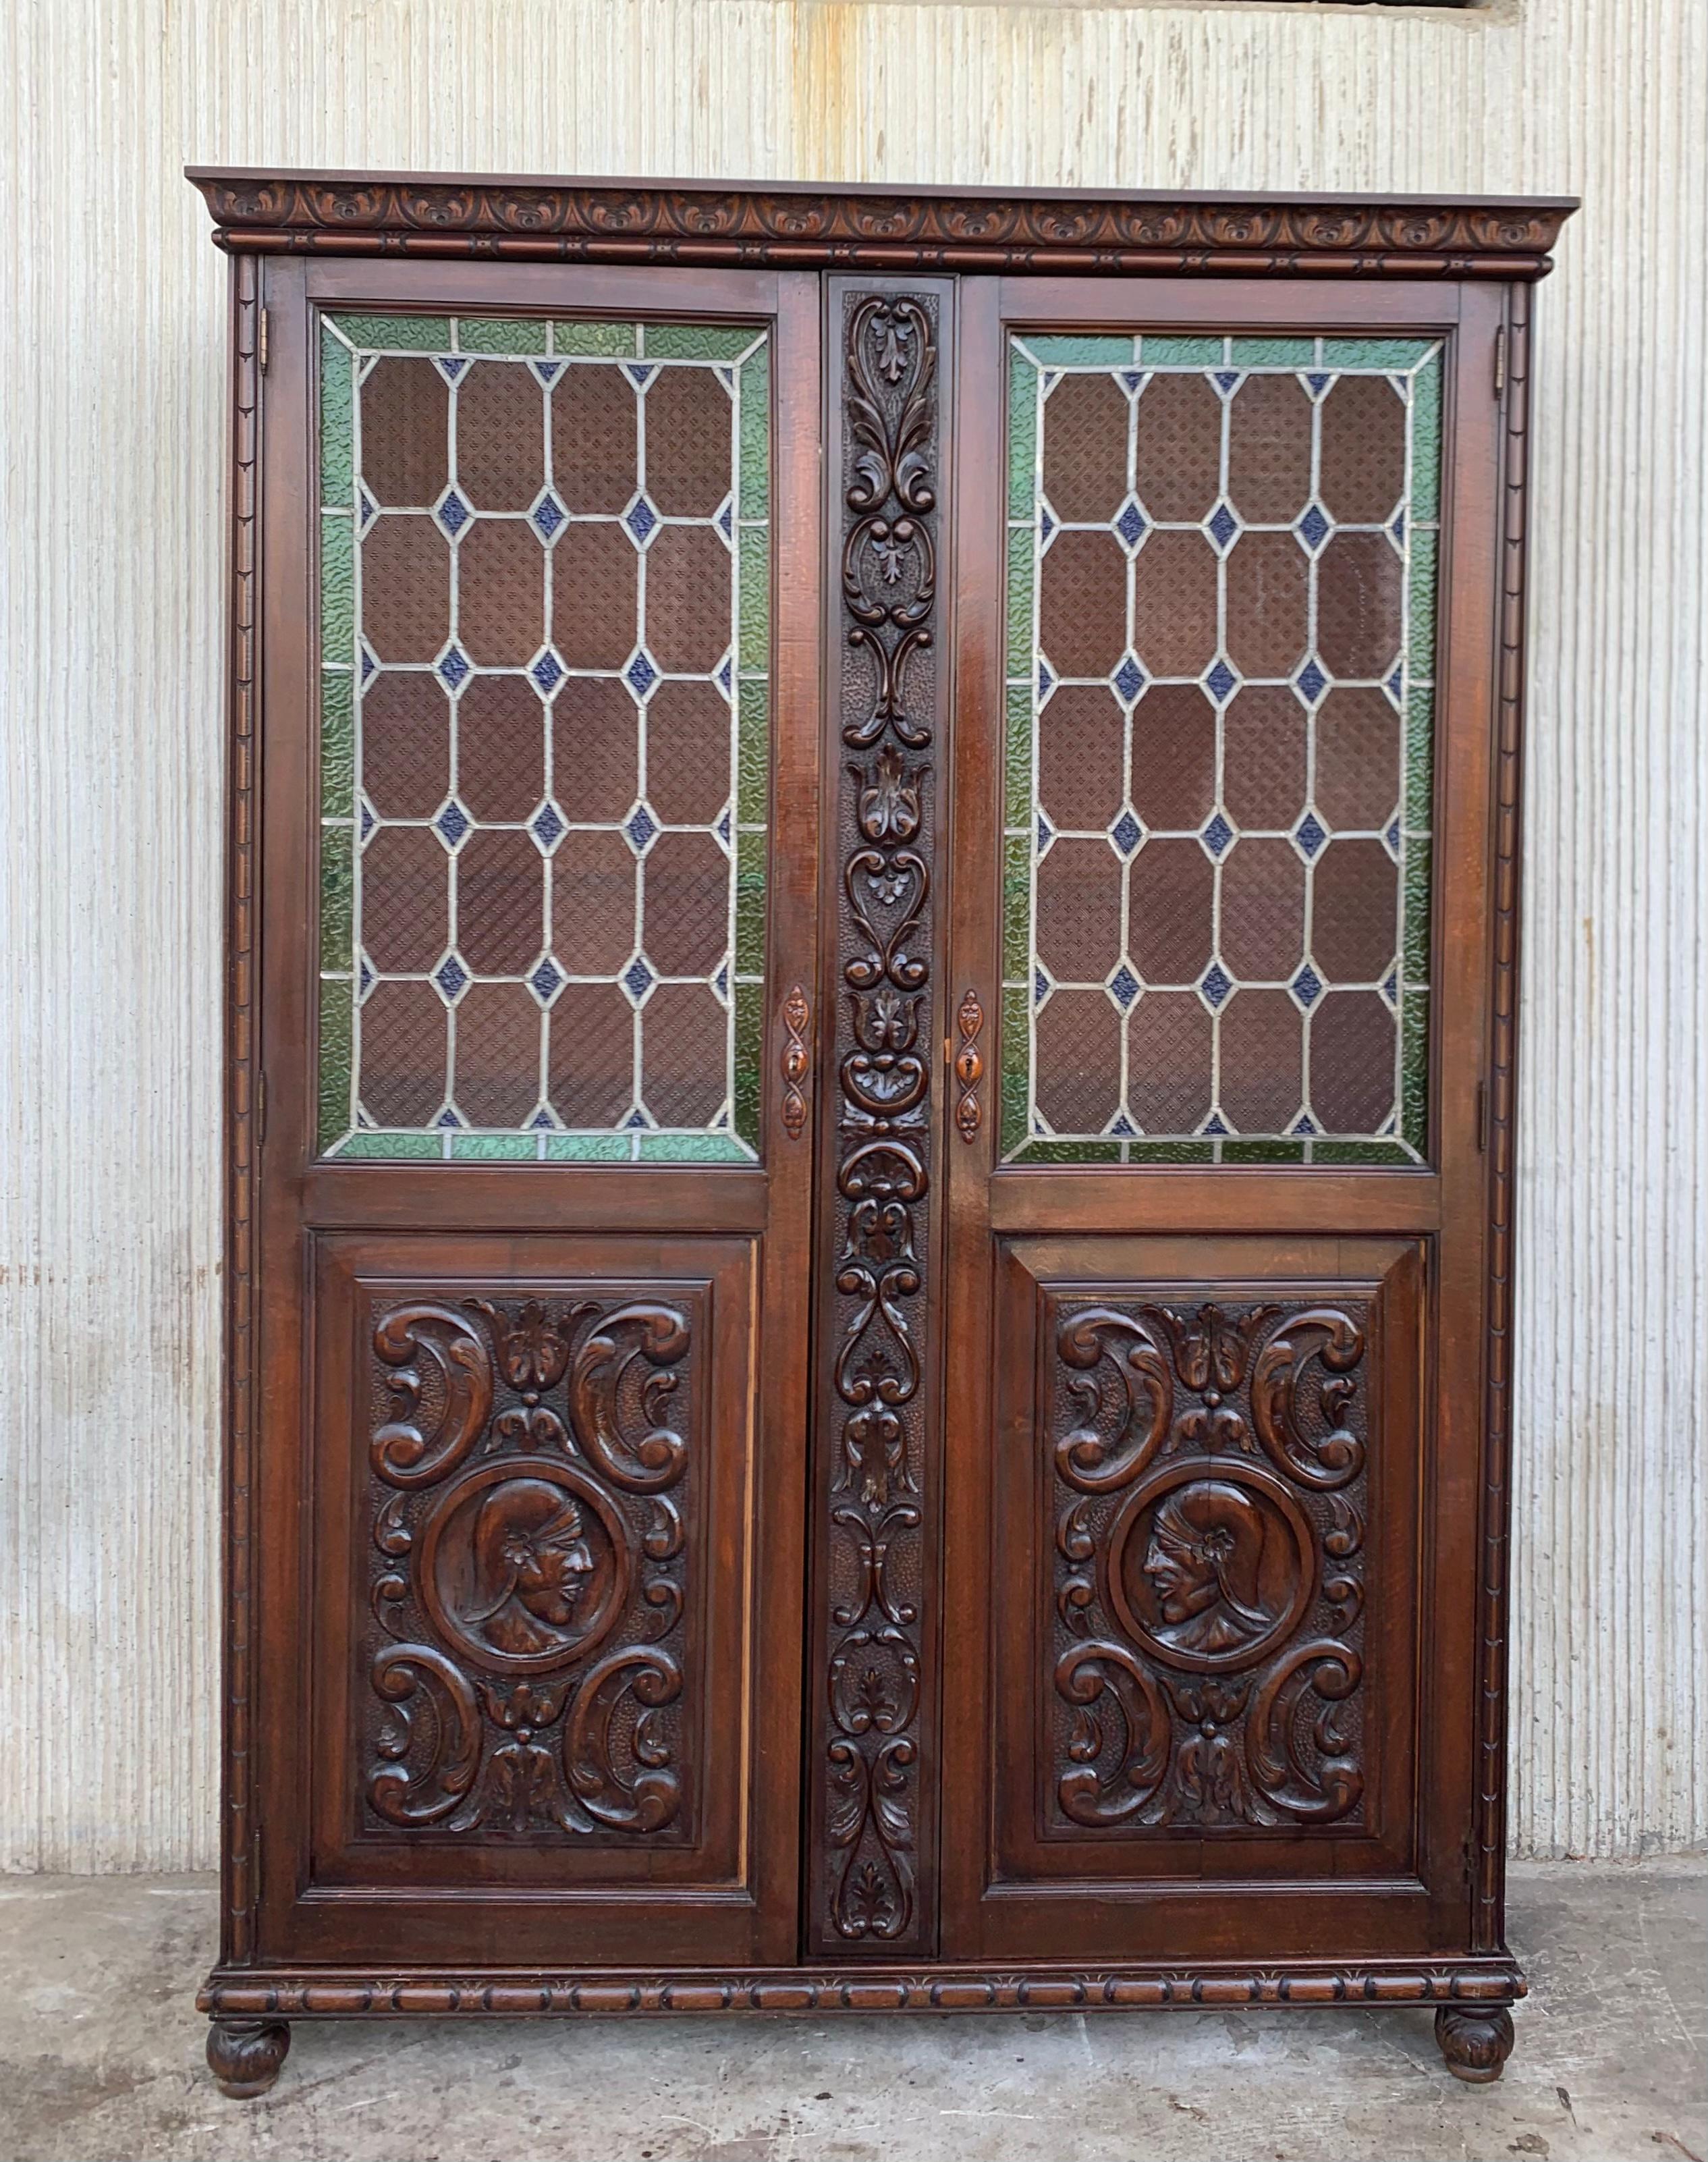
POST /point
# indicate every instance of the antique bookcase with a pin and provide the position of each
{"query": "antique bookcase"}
(873, 893)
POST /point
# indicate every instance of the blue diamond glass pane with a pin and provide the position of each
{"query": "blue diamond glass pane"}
(1310, 836)
(1218, 835)
(641, 520)
(1391, 837)
(1130, 524)
(1046, 523)
(637, 978)
(451, 976)
(367, 508)
(367, 819)
(723, 677)
(723, 828)
(1313, 528)
(1222, 682)
(1312, 682)
(1125, 986)
(1390, 987)
(1319, 383)
(1127, 832)
(1398, 528)
(1303, 1124)
(548, 828)
(448, 1118)
(1123, 1126)
(548, 515)
(1044, 679)
(367, 977)
(453, 512)
(453, 368)
(1040, 987)
(720, 981)
(1213, 1124)
(547, 370)
(1045, 833)
(451, 823)
(454, 666)
(640, 828)
(641, 674)
(1214, 984)
(1223, 526)
(541, 1119)
(1394, 683)
(369, 664)
(1226, 381)
(1306, 985)
(1129, 679)
(547, 671)
(640, 374)
(545, 980)
(725, 523)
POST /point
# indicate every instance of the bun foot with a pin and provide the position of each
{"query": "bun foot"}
(245, 2054)
(1476, 2039)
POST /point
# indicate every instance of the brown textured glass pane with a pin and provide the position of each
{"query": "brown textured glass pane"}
(1262, 912)
(595, 746)
(1169, 1046)
(402, 1054)
(405, 433)
(1079, 1061)
(500, 436)
(684, 1046)
(687, 599)
(1362, 468)
(501, 593)
(405, 746)
(1085, 448)
(496, 1077)
(1082, 603)
(593, 903)
(1354, 911)
(1174, 603)
(1268, 619)
(500, 903)
(1268, 450)
(1264, 734)
(1169, 921)
(595, 583)
(405, 892)
(1357, 760)
(405, 588)
(687, 898)
(1358, 604)
(1173, 758)
(1179, 447)
(1262, 1046)
(688, 754)
(1351, 1062)
(594, 448)
(1081, 745)
(590, 1068)
(1079, 910)
(500, 747)
(689, 459)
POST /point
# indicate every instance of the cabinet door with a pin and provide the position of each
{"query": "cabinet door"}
(540, 792)
(1218, 948)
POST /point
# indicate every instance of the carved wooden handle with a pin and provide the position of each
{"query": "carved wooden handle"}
(969, 1065)
(797, 1061)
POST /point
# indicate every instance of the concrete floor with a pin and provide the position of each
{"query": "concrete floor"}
(100, 2059)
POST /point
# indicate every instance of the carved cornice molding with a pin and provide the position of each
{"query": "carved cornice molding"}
(807, 228)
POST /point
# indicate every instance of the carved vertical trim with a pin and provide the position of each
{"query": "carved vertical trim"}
(797, 1062)
(241, 1846)
(875, 1615)
(1490, 1829)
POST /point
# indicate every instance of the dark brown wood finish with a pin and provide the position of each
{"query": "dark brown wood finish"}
(829, 1592)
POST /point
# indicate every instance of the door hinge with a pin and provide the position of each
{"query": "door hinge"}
(262, 340)
(1500, 371)
(260, 1111)
(1482, 1118)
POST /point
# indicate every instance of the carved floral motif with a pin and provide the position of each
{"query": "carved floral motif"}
(1208, 1474)
(530, 1587)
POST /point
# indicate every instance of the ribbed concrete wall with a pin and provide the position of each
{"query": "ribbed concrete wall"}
(111, 332)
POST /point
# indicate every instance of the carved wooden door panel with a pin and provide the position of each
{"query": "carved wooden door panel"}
(1218, 966)
(537, 885)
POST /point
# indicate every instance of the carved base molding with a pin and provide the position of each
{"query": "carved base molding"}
(338, 1993)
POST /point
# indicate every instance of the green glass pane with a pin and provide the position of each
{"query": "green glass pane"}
(1017, 908)
(1384, 353)
(1414, 1068)
(1371, 1152)
(1014, 1053)
(594, 341)
(753, 754)
(750, 1052)
(1422, 640)
(692, 1148)
(1019, 781)
(694, 341)
(502, 1148)
(1426, 443)
(397, 333)
(750, 904)
(587, 1148)
(337, 408)
(499, 334)
(755, 637)
(337, 1004)
(1419, 760)
(381, 1146)
(337, 586)
(755, 465)
(337, 742)
(1262, 1151)
(1416, 875)
(1072, 1152)
(1275, 353)
(338, 897)
(1076, 350)
(1020, 603)
(1171, 1152)
(1180, 351)
(1022, 434)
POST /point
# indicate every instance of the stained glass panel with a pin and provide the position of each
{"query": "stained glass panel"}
(545, 579)
(1221, 633)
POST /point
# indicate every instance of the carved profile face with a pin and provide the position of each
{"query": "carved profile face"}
(1210, 1568)
(530, 1566)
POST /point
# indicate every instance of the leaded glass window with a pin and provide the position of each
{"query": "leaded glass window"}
(1223, 562)
(544, 696)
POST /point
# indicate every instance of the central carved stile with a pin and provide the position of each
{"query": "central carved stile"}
(874, 1473)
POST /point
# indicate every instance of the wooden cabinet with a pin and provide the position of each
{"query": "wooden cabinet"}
(872, 905)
